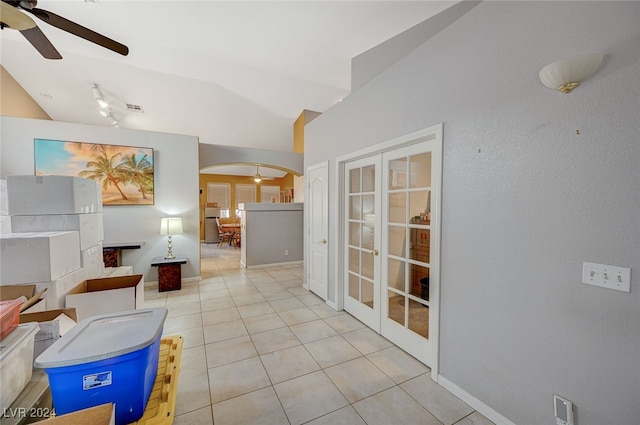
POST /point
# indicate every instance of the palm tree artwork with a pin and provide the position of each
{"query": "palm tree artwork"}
(125, 173)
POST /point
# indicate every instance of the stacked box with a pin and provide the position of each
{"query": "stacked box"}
(59, 288)
(38, 256)
(92, 261)
(41, 195)
(89, 226)
(44, 211)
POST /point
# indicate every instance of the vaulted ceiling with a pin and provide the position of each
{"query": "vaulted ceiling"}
(230, 72)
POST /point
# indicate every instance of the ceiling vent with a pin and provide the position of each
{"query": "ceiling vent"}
(135, 108)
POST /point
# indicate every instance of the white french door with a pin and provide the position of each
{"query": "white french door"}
(362, 239)
(410, 249)
(391, 234)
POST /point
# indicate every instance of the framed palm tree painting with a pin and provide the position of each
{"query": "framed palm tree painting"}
(125, 173)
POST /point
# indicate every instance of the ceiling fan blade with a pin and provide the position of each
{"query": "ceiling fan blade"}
(36, 37)
(15, 19)
(79, 30)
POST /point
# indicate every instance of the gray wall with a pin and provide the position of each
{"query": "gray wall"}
(525, 200)
(176, 186)
(270, 230)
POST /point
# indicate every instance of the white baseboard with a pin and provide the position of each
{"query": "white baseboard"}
(266, 266)
(476, 404)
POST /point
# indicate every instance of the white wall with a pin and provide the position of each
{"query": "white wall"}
(525, 200)
(176, 186)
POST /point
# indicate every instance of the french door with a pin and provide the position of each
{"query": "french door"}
(392, 244)
(362, 239)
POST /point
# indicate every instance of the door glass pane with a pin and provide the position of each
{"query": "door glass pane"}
(420, 245)
(367, 264)
(354, 180)
(396, 307)
(354, 234)
(398, 207)
(354, 260)
(367, 237)
(369, 178)
(398, 173)
(420, 170)
(397, 241)
(419, 278)
(419, 204)
(368, 208)
(396, 278)
(367, 292)
(419, 318)
(355, 210)
(354, 286)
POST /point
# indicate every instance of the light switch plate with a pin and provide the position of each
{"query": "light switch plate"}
(612, 277)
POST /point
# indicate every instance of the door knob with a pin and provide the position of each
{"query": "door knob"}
(323, 242)
(374, 252)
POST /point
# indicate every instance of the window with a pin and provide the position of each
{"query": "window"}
(269, 194)
(245, 193)
(220, 193)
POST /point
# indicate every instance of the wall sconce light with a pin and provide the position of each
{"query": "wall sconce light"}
(566, 75)
(257, 178)
(170, 226)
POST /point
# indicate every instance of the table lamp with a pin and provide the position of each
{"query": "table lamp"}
(170, 226)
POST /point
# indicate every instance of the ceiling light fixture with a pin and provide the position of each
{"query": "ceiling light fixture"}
(97, 94)
(257, 178)
(566, 75)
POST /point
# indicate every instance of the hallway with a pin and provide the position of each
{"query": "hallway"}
(260, 349)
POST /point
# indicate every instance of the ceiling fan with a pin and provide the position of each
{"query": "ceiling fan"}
(12, 16)
(258, 178)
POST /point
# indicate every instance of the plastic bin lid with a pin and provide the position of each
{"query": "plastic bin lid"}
(15, 338)
(9, 307)
(104, 337)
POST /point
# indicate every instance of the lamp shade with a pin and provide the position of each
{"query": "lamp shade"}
(171, 226)
(566, 75)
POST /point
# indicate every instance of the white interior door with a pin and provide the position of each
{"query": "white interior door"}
(411, 184)
(391, 254)
(362, 239)
(317, 189)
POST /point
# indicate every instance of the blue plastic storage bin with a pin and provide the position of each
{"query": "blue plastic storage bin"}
(111, 358)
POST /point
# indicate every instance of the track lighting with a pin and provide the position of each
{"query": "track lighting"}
(105, 110)
(97, 94)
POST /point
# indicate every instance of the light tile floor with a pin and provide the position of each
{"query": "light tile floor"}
(260, 349)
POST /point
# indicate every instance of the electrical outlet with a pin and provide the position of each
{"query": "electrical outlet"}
(611, 277)
(563, 410)
(286, 252)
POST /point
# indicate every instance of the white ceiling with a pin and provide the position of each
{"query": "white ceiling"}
(230, 72)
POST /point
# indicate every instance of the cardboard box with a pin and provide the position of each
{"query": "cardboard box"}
(57, 289)
(106, 295)
(38, 195)
(89, 226)
(38, 256)
(4, 200)
(5, 224)
(92, 261)
(33, 298)
(105, 414)
(53, 324)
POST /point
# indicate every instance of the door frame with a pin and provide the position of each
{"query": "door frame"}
(431, 133)
(308, 218)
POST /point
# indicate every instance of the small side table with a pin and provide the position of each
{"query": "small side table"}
(169, 272)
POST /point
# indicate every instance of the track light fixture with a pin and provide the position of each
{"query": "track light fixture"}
(105, 110)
